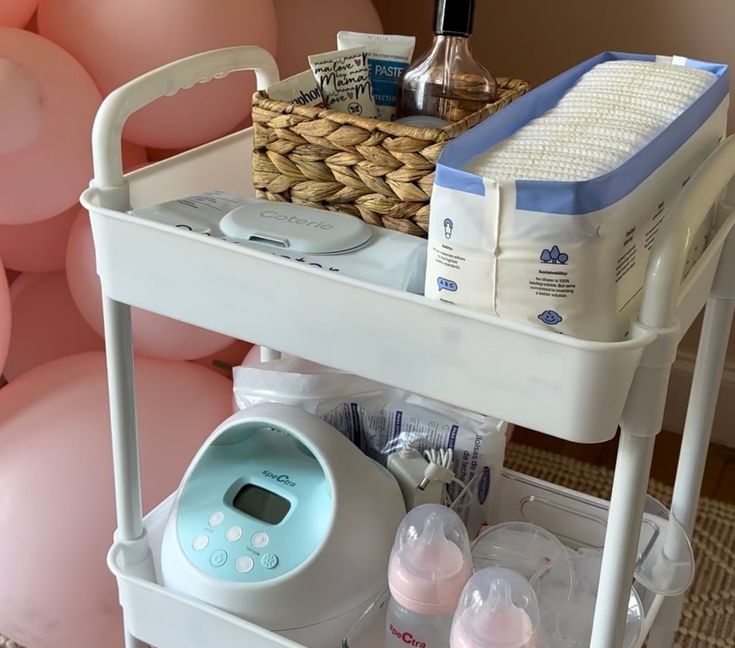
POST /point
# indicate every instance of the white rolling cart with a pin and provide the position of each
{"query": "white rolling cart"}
(572, 389)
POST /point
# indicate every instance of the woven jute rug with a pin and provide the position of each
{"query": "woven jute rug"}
(709, 613)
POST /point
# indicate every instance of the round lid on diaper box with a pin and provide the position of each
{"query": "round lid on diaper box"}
(294, 227)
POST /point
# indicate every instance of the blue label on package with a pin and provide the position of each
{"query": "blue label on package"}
(384, 75)
(483, 488)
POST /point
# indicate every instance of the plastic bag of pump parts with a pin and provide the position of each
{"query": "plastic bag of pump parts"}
(381, 420)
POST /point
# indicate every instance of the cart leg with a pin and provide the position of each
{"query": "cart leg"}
(641, 422)
(697, 429)
(621, 539)
(121, 385)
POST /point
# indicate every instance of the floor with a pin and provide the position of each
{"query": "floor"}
(719, 478)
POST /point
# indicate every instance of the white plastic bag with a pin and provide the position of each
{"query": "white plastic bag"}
(381, 420)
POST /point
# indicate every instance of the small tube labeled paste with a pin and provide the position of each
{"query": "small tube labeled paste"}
(300, 89)
(388, 58)
(344, 81)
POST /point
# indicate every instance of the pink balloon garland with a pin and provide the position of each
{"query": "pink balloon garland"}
(21, 108)
(139, 35)
(154, 335)
(55, 468)
(5, 317)
(42, 173)
(16, 13)
(46, 324)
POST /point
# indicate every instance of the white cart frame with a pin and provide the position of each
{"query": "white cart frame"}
(456, 355)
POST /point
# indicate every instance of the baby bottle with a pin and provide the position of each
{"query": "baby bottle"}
(429, 565)
(498, 609)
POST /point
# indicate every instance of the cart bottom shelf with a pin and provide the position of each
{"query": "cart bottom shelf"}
(164, 619)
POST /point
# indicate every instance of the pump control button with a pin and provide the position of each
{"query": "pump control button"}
(269, 561)
(244, 564)
(218, 558)
(260, 540)
(216, 519)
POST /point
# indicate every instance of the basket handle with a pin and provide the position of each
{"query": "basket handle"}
(164, 81)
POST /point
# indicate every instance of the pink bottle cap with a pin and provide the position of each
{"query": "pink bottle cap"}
(498, 609)
(430, 562)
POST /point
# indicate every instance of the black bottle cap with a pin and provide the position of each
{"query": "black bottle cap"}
(454, 17)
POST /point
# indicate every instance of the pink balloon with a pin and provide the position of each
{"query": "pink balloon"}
(21, 108)
(154, 335)
(16, 13)
(159, 154)
(32, 24)
(306, 28)
(46, 176)
(134, 156)
(118, 41)
(46, 323)
(38, 247)
(41, 246)
(56, 480)
(12, 275)
(5, 317)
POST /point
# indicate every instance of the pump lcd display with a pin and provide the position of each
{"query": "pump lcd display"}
(261, 504)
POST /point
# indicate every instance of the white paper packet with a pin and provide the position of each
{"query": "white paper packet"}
(300, 89)
(388, 57)
(344, 81)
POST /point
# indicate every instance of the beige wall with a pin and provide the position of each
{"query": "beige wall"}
(535, 40)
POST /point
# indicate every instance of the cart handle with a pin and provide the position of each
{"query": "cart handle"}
(666, 264)
(164, 81)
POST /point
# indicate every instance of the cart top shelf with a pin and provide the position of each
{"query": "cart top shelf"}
(569, 388)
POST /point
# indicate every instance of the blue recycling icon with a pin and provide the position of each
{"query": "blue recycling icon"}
(554, 255)
(550, 317)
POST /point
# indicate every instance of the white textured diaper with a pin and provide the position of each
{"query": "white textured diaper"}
(546, 213)
(614, 111)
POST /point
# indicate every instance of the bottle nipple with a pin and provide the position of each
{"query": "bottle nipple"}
(431, 555)
(498, 610)
(431, 561)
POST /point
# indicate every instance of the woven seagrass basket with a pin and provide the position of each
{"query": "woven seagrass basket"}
(382, 172)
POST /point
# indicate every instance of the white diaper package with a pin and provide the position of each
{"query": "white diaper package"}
(329, 241)
(381, 420)
(546, 212)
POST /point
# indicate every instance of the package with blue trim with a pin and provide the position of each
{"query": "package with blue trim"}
(546, 212)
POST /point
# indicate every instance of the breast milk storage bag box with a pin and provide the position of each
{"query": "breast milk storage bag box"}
(546, 212)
